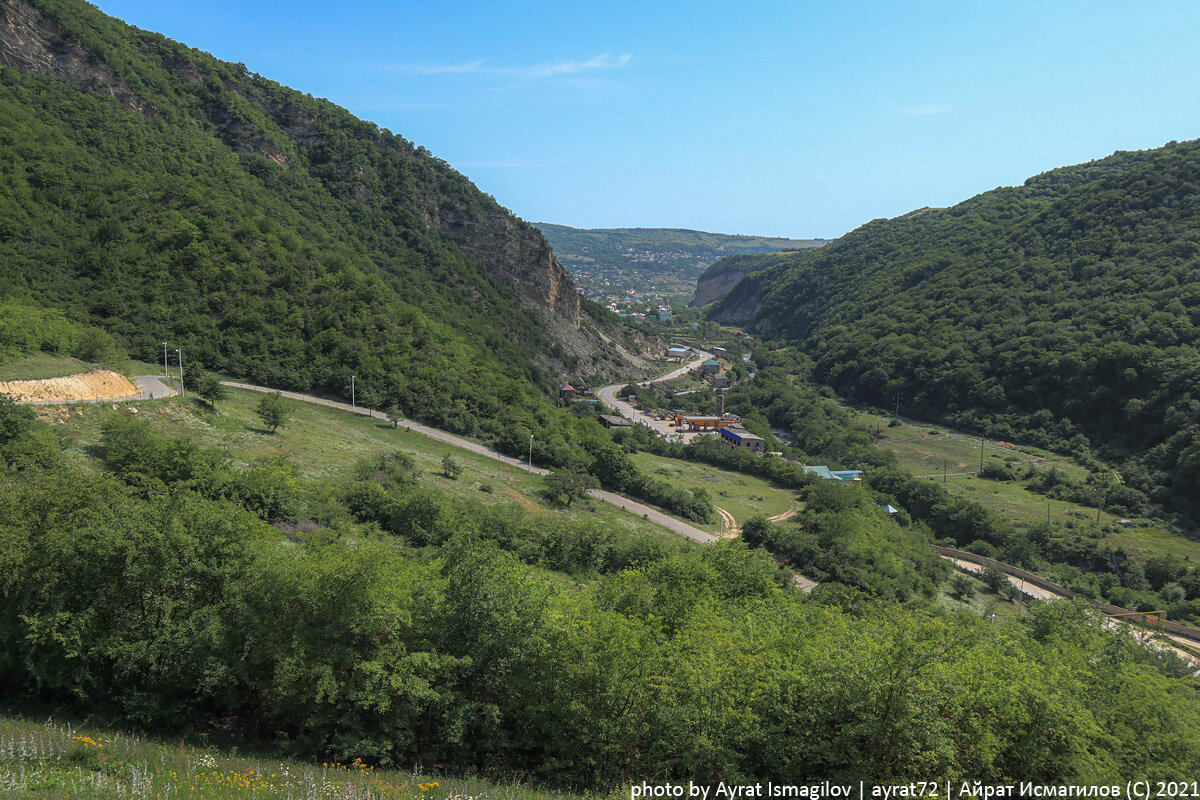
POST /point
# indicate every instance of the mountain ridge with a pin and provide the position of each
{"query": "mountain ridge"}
(1065, 311)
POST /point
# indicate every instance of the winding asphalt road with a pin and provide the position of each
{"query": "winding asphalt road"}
(608, 396)
(670, 523)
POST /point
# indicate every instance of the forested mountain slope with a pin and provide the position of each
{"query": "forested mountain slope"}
(1065, 311)
(169, 196)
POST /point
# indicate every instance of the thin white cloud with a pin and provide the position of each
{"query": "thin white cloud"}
(602, 61)
(442, 69)
(923, 110)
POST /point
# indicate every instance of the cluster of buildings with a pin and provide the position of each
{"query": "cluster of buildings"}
(727, 427)
(577, 394)
(734, 434)
(662, 315)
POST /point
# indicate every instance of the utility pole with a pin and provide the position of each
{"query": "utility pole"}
(899, 397)
(165, 373)
(945, 470)
(182, 391)
(982, 442)
(1047, 514)
(531, 452)
(353, 405)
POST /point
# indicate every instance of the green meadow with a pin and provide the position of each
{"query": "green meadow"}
(742, 496)
(325, 444)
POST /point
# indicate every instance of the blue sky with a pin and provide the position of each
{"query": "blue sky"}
(775, 118)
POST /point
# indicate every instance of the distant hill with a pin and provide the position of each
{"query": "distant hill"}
(1065, 311)
(610, 261)
(164, 195)
(722, 276)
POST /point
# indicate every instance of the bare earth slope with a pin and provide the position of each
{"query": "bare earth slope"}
(101, 384)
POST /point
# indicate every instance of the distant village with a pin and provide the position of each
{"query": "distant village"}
(648, 274)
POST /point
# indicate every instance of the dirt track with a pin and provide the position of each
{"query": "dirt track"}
(101, 384)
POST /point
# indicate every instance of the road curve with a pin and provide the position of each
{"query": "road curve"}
(608, 396)
(632, 506)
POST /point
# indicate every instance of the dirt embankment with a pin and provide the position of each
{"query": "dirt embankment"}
(101, 384)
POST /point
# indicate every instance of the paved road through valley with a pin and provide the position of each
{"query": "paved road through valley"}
(670, 523)
(608, 396)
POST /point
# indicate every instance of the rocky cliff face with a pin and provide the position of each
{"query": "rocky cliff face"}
(711, 286)
(739, 306)
(514, 253)
(35, 43)
(722, 277)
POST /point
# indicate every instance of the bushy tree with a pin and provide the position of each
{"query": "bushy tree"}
(274, 411)
(961, 587)
(394, 415)
(210, 388)
(14, 419)
(567, 486)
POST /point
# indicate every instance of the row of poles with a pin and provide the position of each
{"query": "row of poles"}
(353, 398)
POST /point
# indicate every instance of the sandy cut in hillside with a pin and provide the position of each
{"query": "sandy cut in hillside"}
(101, 384)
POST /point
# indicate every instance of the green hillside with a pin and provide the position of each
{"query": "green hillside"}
(611, 261)
(162, 195)
(396, 627)
(1064, 313)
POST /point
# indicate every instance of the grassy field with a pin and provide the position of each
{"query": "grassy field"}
(36, 365)
(325, 444)
(743, 496)
(47, 761)
(928, 449)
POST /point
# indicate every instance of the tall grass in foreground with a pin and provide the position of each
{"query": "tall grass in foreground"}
(49, 761)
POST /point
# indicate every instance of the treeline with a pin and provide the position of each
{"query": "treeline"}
(28, 329)
(842, 538)
(1064, 313)
(150, 601)
(386, 492)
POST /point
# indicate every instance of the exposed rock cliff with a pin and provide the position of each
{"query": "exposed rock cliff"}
(36, 43)
(514, 252)
(716, 282)
(724, 275)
